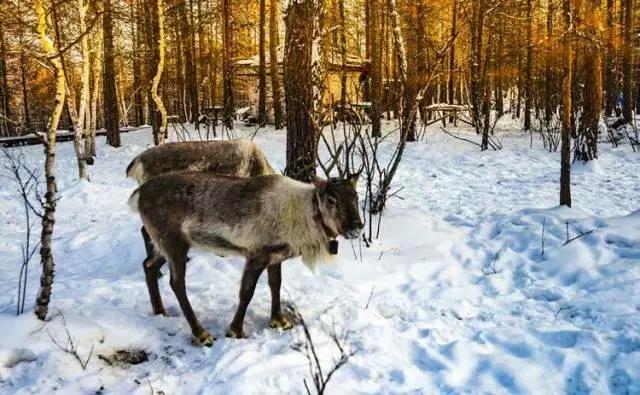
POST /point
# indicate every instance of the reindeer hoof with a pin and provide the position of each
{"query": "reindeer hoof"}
(236, 334)
(203, 339)
(161, 312)
(281, 322)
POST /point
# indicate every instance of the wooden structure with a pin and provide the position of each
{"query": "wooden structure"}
(355, 67)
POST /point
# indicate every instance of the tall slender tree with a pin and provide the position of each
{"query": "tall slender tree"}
(109, 96)
(262, 67)
(48, 217)
(627, 59)
(227, 65)
(567, 77)
(278, 115)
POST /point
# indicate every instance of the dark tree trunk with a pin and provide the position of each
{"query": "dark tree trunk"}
(191, 73)
(527, 79)
(476, 80)
(262, 68)
(109, 96)
(549, 88)
(5, 98)
(565, 149)
(587, 143)
(138, 102)
(609, 65)
(627, 96)
(301, 86)
(376, 67)
(343, 54)
(278, 115)
(452, 54)
(25, 92)
(181, 109)
(227, 69)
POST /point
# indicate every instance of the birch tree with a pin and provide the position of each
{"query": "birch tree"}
(158, 76)
(48, 216)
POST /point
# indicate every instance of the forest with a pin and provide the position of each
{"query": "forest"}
(470, 169)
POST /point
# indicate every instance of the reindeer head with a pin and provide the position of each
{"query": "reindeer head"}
(338, 205)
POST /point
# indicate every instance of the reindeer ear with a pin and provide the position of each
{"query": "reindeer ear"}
(353, 179)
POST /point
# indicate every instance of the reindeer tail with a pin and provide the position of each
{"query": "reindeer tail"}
(135, 170)
(133, 200)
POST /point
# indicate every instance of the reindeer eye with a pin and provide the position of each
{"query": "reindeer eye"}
(331, 200)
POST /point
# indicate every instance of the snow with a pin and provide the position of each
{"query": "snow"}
(455, 297)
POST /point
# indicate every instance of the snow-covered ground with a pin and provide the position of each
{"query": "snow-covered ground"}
(455, 297)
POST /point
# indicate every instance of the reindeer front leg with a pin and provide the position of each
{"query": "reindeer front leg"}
(278, 320)
(252, 271)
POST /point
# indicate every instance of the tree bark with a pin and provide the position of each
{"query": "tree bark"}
(452, 53)
(587, 142)
(609, 65)
(550, 87)
(191, 77)
(262, 67)
(109, 96)
(302, 86)
(162, 133)
(25, 92)
(343, 54)
(567, 76)
(48, 217)
(376, 67)
(138, 100)
(528, 83)
(5, 98)
(627, 82)
(278, 115)
(227, 68)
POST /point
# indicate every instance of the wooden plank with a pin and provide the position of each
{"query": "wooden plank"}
(62, 136)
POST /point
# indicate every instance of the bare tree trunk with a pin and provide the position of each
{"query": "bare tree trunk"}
(262, 67)
(109, 96)
(96, 71)
(162, 133)
(627, 82)
(79, 140)
(567, 76)
(302, 86)
(376, 67)
(227, 68)
(527, 79)
(452, 54)
(476, 80)
(5, 99)
(48, 217)
(25, 92)
(587, 142)
(191, 78)
(550, 86)
(609, 65)
(278, 115)
(343, 54)
(138, 101)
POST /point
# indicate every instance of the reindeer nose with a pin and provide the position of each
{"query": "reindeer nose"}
(358, 224)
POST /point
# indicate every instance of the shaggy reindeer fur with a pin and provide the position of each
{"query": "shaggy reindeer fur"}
(266, 219)
(231, 157)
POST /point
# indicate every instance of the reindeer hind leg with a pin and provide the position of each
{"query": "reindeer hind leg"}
(151, 265)
(176, 253)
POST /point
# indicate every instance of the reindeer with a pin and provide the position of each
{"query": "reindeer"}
(233, 157)
(266, 219)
